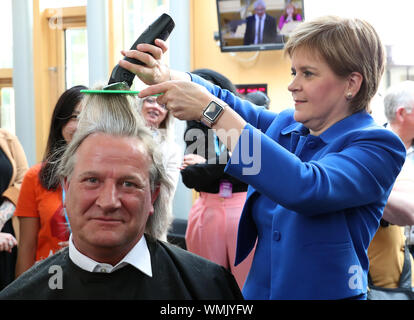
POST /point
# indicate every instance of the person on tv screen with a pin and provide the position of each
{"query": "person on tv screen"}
(290, 15)
(260, 27)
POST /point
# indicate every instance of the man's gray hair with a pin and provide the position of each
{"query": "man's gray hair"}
(117, 115)
(399, 95)
(259, 3)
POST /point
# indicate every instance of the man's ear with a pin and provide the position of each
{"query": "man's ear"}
(65, 184)
(400, 113)
(155, 194)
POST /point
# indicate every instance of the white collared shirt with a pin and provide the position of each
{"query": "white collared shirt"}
(138, 257)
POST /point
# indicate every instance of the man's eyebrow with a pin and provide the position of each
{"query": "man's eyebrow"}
(122, 177)
(88, 173)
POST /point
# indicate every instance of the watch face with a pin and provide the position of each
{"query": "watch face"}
(212, 111)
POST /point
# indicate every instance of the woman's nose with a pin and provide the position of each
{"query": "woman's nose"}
(294, 85)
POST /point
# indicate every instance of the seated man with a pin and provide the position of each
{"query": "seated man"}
(386, 251)
(115, 185)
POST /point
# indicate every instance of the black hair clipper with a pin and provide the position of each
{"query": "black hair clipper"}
(121, 79)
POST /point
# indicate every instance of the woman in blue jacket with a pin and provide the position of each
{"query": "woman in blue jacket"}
(319, 175)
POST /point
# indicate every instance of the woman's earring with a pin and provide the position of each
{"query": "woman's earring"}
(349, 95)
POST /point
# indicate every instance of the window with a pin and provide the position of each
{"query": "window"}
(76, 53)
(7, 116)
(6, 71)
(6, 52)
(61, 47)
(44, 4)
(134, 22)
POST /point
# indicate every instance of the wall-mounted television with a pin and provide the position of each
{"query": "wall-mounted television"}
(255, 25)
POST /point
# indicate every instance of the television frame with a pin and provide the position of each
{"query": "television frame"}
(252, 47)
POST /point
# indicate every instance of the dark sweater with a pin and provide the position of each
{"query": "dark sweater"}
(177, 274)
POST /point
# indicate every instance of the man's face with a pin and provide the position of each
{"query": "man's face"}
(260, 10)
(108, 196)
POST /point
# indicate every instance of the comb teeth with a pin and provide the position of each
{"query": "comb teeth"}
(110, 92)
(115, 92)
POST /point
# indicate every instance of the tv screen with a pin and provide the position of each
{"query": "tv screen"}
(255, 25)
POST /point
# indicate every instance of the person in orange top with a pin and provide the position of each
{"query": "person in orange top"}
(43, 227)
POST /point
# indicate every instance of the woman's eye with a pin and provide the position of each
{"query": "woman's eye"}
(307, 73)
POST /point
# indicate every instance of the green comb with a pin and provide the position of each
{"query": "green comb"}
(114, 92)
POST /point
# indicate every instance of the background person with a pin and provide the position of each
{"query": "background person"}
(386, 251)
(43, 227)
(320, 174)
(13, 166)
(290, 15)
(214, 217)
(117, 194)
(161, 122)
(258, 98)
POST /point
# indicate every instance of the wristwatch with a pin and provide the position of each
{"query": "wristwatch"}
(212, 113)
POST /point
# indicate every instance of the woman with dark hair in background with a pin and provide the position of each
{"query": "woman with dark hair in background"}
(43, 227)
(214, 217)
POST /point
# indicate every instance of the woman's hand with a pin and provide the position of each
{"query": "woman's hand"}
(191, 159)
(184, 99)
(153, 71)
(7, 242)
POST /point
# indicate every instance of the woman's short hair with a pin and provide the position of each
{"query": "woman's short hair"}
(346, 45)
(117, 115)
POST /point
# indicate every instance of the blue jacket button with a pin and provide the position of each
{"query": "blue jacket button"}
(276, 235)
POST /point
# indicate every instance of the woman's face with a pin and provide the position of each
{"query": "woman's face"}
(318, 93)
(68, 130)
(290, 9)
(153, 113)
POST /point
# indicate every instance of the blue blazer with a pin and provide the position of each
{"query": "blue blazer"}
(314, 202)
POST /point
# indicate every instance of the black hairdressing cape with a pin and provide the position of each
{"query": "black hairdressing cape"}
(176, 274)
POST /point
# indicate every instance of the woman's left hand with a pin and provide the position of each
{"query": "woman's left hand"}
(184, 99)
